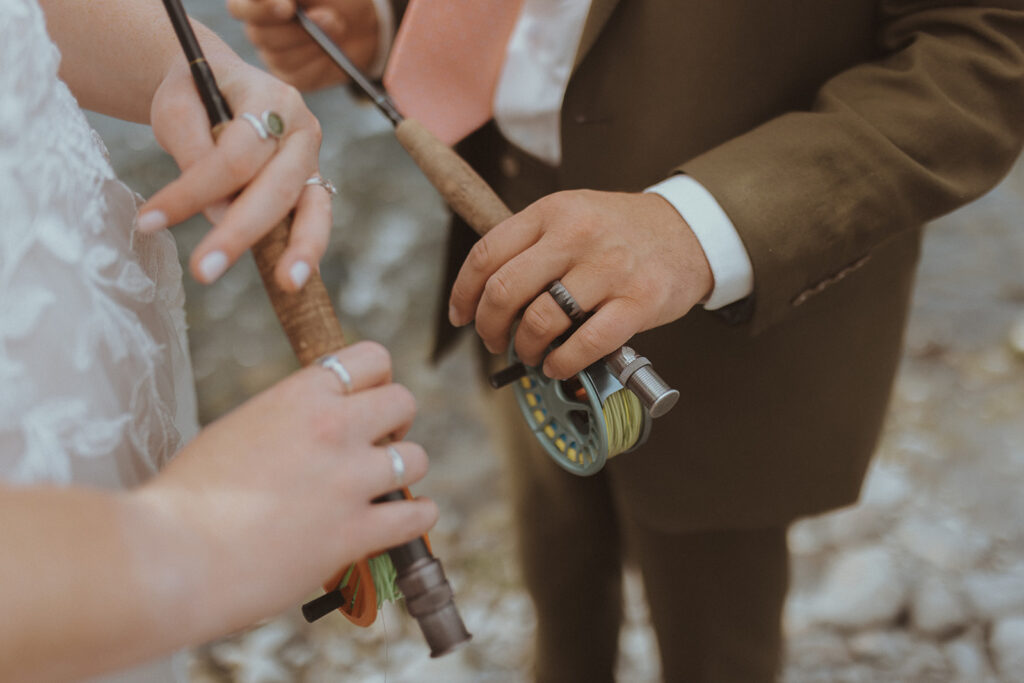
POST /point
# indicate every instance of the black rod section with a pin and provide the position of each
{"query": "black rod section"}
(379, 97)
(217, 108)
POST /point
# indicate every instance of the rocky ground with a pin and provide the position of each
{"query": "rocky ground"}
(923, 581)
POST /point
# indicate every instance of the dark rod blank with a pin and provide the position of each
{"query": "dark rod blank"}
(379, 97)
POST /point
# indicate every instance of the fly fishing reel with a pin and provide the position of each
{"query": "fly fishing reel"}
(605, 410)
(583, 421)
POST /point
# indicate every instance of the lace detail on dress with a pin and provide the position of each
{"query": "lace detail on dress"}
(95, 384)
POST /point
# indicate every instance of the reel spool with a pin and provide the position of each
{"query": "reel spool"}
(583, 421)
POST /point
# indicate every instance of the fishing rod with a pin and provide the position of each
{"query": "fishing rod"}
(604, 410)
(313, 330)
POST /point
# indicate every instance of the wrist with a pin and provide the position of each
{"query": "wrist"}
(172, 565)
(720, 244)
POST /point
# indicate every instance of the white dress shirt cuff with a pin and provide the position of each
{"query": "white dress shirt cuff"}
(728, 258)
(385, 37)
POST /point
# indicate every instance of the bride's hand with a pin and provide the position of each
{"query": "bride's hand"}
(269, 501)
(245, 184)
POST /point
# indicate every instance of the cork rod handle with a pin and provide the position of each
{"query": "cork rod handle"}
(307, 316)
(460, 186)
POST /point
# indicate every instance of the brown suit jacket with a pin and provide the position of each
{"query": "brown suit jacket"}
(829, 132)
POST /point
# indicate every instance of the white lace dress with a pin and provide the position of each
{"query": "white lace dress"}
(95, 382)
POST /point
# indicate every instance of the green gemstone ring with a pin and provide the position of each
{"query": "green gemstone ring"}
(272, 123)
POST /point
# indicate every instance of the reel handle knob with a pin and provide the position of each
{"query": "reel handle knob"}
(637, 374)
(322, 606)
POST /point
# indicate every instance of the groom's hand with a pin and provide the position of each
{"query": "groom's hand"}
(629, 258)
(289, 52)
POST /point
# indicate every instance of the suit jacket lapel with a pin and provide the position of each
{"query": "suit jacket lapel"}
(600, 10)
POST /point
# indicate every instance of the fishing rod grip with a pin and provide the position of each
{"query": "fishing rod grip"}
(461, 187)
(313, 329)
(307, 315)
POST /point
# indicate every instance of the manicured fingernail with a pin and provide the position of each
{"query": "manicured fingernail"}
(299, 273)
(212, 266)
(151, 221)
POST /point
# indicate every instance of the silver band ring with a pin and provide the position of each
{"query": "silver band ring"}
(397, 465)
(269, 124)
(334, 365)
(261, 130)
(565, 301)
(322, 182)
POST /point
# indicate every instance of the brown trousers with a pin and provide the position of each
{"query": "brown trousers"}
(715, 597)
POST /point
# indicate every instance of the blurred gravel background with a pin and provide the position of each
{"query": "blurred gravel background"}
(923, 581)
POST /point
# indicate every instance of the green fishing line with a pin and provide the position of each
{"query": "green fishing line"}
(384, 579)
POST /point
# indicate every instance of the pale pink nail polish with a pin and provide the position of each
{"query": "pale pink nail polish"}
(299, 273)
(151, 221)
(212, 266)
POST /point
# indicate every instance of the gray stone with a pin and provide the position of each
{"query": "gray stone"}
(808, 537)
(816, 651)
(855, 525)
(967, 658)
(924, 662)
(946, 543)
(863, 587)
(1007, 645)
(887, 487)
(996, 594)
(937, 606)
(1015, 338)
(886, 647)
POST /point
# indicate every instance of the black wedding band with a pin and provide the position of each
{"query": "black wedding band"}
(565, 300)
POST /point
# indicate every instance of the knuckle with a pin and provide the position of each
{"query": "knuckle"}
(291, 96)
(498, 290)
(416, 454)
(375, 352)
(403, 399)
(316, 131)
(589, 341)
(460, 292)
(323, 422)
(479, 256)
(535, 322)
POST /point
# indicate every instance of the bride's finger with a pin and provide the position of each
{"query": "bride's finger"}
(238, 156)
(311, 228)
(259, 208)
